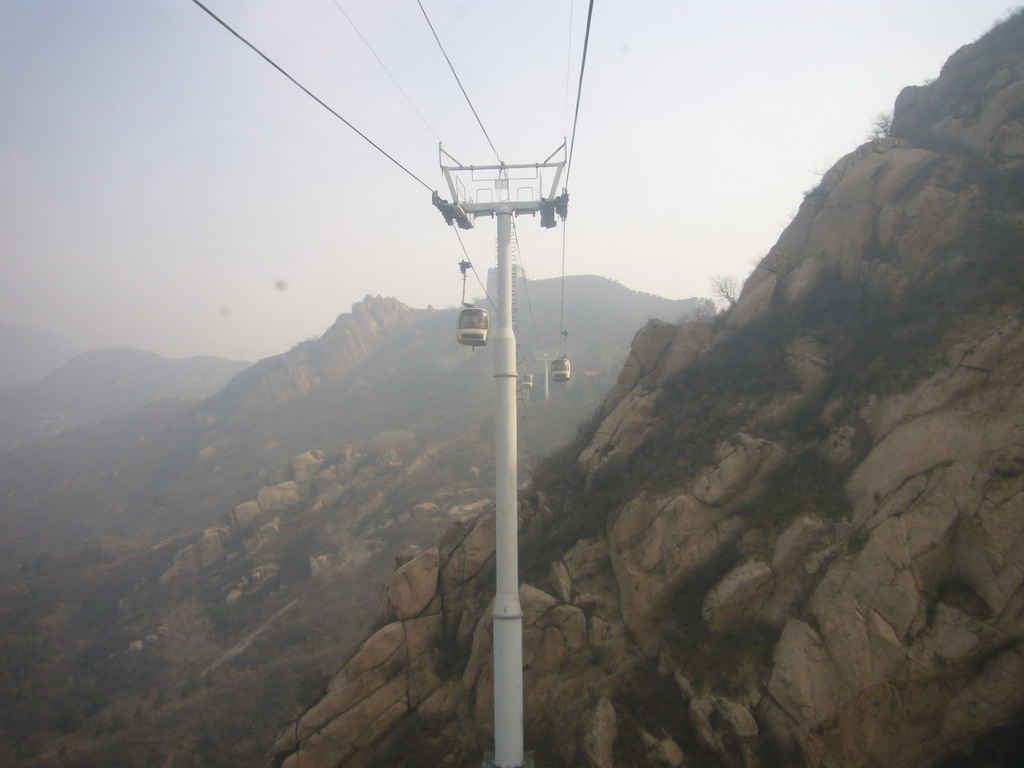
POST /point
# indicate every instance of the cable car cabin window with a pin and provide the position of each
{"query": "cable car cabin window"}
(472, 330)
(560, 369)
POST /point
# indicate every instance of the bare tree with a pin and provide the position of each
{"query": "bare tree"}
(702, 312)
(725, 288)
(881, 126)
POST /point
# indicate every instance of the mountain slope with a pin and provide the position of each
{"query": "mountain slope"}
(382, 367)
(109, 382)
(180, 580)
(793, 537)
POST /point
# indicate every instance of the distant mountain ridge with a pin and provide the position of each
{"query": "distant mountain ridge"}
(383, 366)
(94, 385)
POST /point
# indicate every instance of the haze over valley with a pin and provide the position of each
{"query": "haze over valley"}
(777, 522)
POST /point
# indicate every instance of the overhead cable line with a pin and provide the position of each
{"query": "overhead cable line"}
(475, 273)
(385, 68)
(561, 303)
(568, 75)
(452, 68)
(563, 334)
(310, 94)
(579, 92)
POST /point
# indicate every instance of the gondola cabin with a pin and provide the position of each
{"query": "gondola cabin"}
(527, 380)
(560, 369)
(472, 330)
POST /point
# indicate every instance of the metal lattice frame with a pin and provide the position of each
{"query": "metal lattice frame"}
(470, 184)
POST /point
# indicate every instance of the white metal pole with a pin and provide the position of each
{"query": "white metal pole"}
(508, 617)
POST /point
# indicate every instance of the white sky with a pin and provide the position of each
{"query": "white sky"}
(158, 179)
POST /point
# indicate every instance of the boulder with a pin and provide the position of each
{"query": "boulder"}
(195, 557)
(737, 463)
(649, 344)
(804, 680)
(738, 595)
(331, 494)
(792, 542)
(321, 566)
(262, 536)
(664, 750)
(246, 513)
(722, 723)
(656, 543)
(469, 556)
(622, 431)
(278, 498)
(425, 510)
(412, 586)
(752, 303)
(591, 579)
(391, 672)
(600, 736)
(306, 466)
(560, 579)
(261, 574)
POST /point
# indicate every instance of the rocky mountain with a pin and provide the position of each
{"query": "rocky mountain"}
(380, 368)
(793, 536)
(28, 354)
(109, 382)
(181, 579)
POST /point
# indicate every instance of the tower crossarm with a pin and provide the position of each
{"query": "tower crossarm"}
(510, 206)
(453, 212)
(491, 189)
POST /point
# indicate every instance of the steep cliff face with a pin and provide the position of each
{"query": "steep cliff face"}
(352, 339)
(795, 536)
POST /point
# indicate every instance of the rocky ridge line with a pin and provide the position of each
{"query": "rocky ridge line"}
(838, 578)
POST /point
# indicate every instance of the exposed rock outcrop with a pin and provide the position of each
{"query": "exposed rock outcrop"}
(804, 523)
(351, 340)
(405, 666)
(194, 557)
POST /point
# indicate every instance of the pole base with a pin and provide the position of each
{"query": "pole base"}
(489, 761)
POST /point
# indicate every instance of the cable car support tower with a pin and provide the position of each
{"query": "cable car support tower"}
(503, 191)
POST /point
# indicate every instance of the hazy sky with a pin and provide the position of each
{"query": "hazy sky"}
(162, 187)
